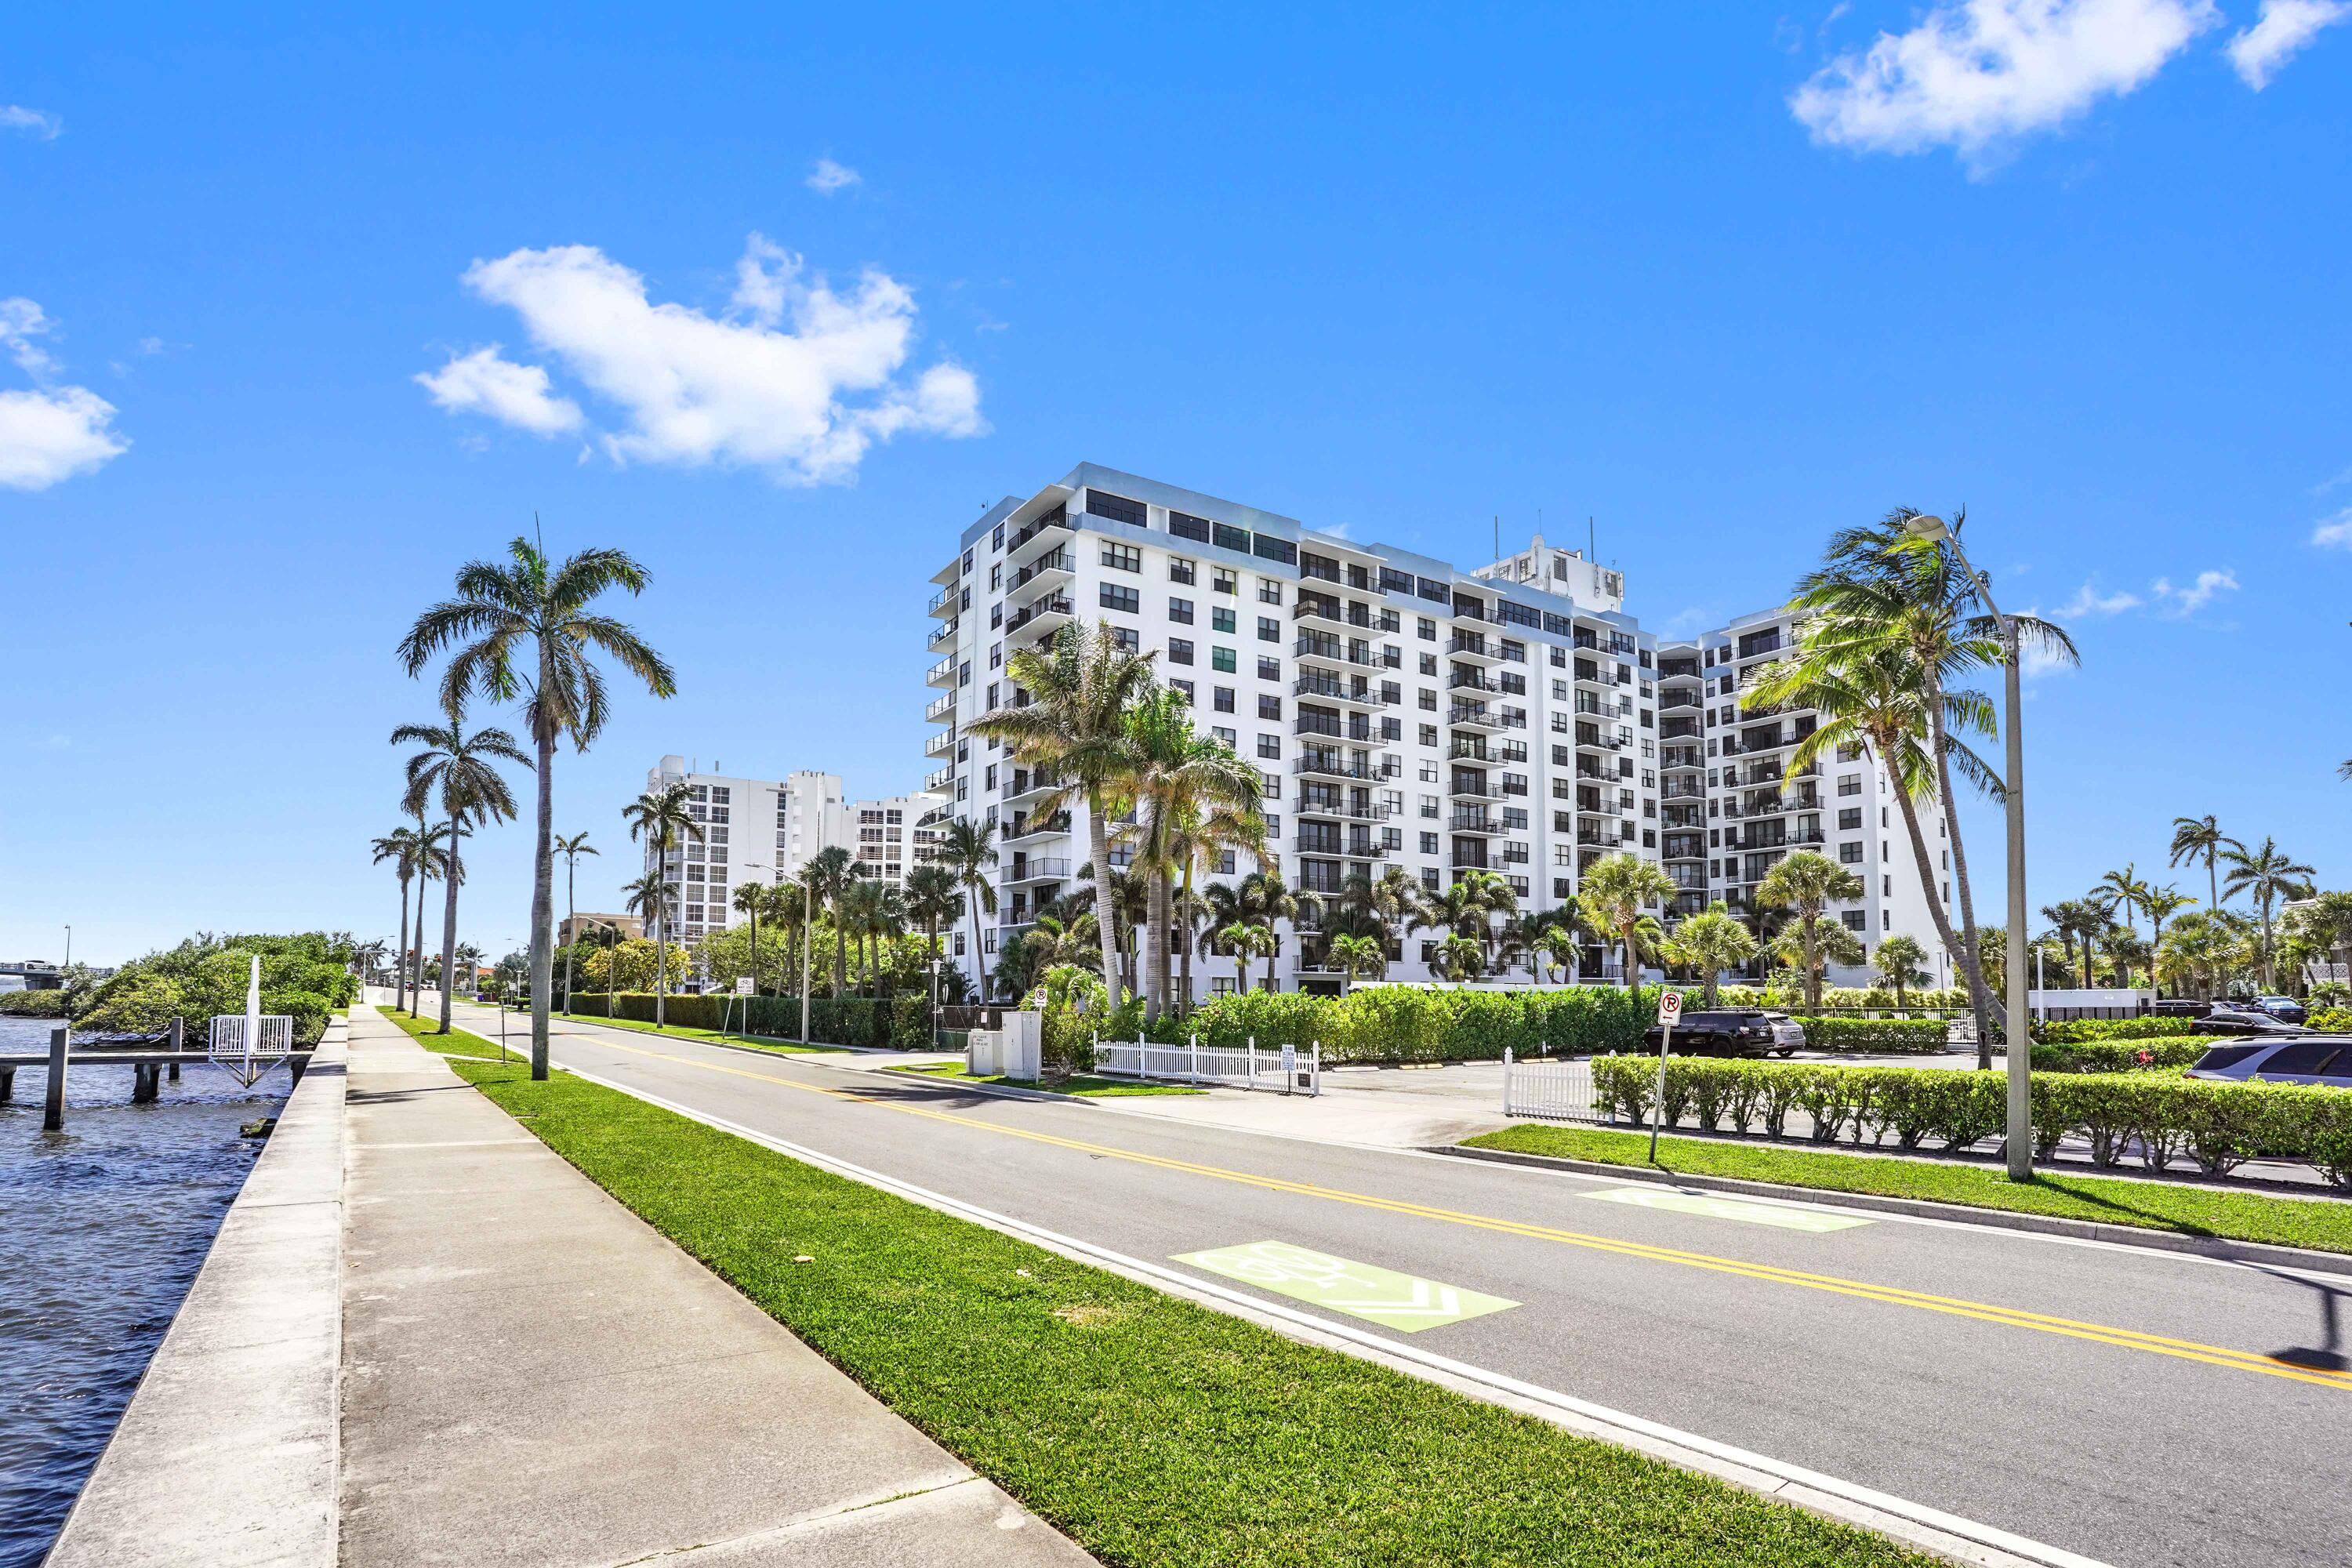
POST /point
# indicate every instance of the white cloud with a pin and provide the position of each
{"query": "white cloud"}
(829, 176)
(1977, 73)
(47, 433)
(2089, 602)
(2279, 35)
(767, 386)
(2196, 596)
(484, 382)
(38, 123)
(2336, 532)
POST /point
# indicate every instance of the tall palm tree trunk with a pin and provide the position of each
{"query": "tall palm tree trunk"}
(1807, 938)
(542, 900)
(400, 959)
(661, 960)
(979, 959)
(571, 919)
(1971, 955)
(1107, 920)
(2212, 880)
(449, 931)
(840, 954)
(1936, 910)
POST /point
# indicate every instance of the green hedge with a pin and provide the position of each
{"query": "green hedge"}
(1924, 1036)
(2174, 1050)
(833, 1020)
(2073, 1031)
(2214, 1126)
(1419, 1023)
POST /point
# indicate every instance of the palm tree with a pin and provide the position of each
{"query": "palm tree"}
(470, 965)
(528, 631)
(1884, 584)
(649, 898)
(828, 876)
(1711, 941)
(2122, 890)
(1460, 908)
(1830, 943)
(1611, 896)
(1262, 899)
(572, 848)
(1188, 787)
(2161, 904)
(1874, 696)
(1246, 940)
(2200, 838)
(1460, 957)
(1493, 895)
(1557, 945)
(2194, 951)
(931, 898)
(368, 956)
(2078, 922)
(458, 767)
(1359, 957)
(1901, 962)
(405, 848)
(750, 898)
(1057, 940)
(1075, 726)
(433, 865)
(1806, 884)
(2265, 874)
(965, 851)
(787, 910)
(663, 819)
(873, 911)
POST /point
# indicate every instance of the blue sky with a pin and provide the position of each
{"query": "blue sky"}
(777, 304)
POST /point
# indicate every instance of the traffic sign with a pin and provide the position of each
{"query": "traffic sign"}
(1670, 1007)
(743, 985)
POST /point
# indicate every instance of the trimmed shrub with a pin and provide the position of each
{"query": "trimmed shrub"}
(2166, 1117)
(1924, 1036)
(2332, 1020)
(911, 1022)
(2169, 1051)
(2075, 1031)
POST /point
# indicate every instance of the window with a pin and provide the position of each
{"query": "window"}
(1849, 852)
(1179, 569)
(995, 578)
(1227, 537)
(1230, 737)
(1269, 706)
(1268, 668)
(1850, 818)
(1118, 509)
(1269, 591)
(1224, 580)
(1429, 664)
(1849, 784)
(1122, 557)
(1221, 619)
(1270, 747)
(1222, 658)
(1856, 919)
(1126, 640)
(1116, 596)
(1268, 629)
(1428, 734)
(1180, 610)
(1184, 525)
(1179, 650)
(1184, 686)
(1223, 696)
(1427, 628)
(1429, 842)
(1273, 549)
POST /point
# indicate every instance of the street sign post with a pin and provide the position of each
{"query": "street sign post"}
(1670, 1012)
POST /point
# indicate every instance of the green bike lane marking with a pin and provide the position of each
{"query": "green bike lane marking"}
(1382, 1296)
(1776, 1214)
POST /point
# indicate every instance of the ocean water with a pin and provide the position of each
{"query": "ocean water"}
(102, 1228)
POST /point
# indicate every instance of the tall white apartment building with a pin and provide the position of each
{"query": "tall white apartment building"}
(764, 830)
(1401, 711)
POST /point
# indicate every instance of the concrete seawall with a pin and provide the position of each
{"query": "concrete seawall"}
(227, 1454)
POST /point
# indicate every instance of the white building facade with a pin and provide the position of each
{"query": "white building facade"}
(765, 830)
(1401, 711)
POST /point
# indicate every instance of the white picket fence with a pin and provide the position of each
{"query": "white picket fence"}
(1283, 1069)
(1550, 1090)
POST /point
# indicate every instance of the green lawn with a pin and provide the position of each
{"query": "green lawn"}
(762, 1042)
(1152, 1431)
(1084, 1085)
(2325, 1223)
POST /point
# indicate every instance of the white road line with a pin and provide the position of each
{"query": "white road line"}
(1916, 1525)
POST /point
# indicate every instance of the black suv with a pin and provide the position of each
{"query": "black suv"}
(2243, 1021)
(1733, 1032)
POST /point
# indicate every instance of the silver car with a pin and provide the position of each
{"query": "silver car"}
(2299, 1058)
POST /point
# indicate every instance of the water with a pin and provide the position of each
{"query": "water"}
(102, 1228)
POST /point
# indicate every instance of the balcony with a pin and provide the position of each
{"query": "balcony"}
(1039, 868)
(1026, 787)
(1596, 741)
(1021, 830)
(1038, 535)
(941, 674)
(1324, 689)
(941, 744)
(1472, 645)
(1465, 787)
(1470, 680)
(938, 780)
(1333, 766)
(1321, 607)
(944, 602)
(1472, 748)
(1311, 806)
(1596, 673)
(1047, 615)
(1473, 822)
(945, 636)
(942, 709)
(1053, 570)
(1474, 716)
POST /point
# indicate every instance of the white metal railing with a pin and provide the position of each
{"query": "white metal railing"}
(1550, 1090)
(1286, 1068)
(228, 1049)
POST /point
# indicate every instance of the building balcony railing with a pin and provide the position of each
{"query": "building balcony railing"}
(938, 780)
(1473, 822)
(942, 707)
(1470, 680)
(1039, 868)
(1049, 570)
(1473, 646)
(1474, 716)
(1021, 829)
(1026, 786)
(944, 602)
(1052, 611)
(1331, 767)
(1462, 788)
(1056, 522)
(944, 636)
(941, 674)
(1331, 651)
(1596, 673)
(1322, 689)
(1313, 805)
(941, 744)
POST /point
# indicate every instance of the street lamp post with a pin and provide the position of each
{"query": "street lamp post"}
(808, 931)
(2019, 1143)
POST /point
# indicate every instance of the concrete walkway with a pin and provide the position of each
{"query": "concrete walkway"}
(532, 1376)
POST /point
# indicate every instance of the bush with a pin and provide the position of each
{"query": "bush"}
(1421, 1023)
(2215, 1126)
(304, 977)
(32, 1004)
(833, 1020)
(2074, 1031)
(1926, 1035)
(2174, 1051)
(2333, 1020)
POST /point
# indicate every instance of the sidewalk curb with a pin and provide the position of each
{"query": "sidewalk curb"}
(2217, 1248)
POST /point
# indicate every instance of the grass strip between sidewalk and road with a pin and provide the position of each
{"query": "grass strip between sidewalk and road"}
(1149, 1429)
(757, 1042)
(2321, 1224)
(1085, 1086)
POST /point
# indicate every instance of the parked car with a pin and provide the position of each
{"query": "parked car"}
(2285, 1009)
(2305, 1059)
(2243, 1021)
(1734, 1032)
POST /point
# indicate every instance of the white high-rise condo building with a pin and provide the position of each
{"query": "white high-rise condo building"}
(1401, 712)
(764, 830)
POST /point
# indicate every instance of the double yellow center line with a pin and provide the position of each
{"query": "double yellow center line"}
(1893, 1296)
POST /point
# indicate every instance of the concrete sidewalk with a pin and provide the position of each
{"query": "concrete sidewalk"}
(532, 1376)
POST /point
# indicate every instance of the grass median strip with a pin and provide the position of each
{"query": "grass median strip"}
(2322, 1223)
(1149, 1429)
(1087, 1086)
(762, 1042)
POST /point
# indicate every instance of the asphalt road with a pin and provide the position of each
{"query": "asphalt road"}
(2140, 1409)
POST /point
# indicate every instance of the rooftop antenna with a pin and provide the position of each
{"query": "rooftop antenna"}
(1498, 536)
(1591, 538)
